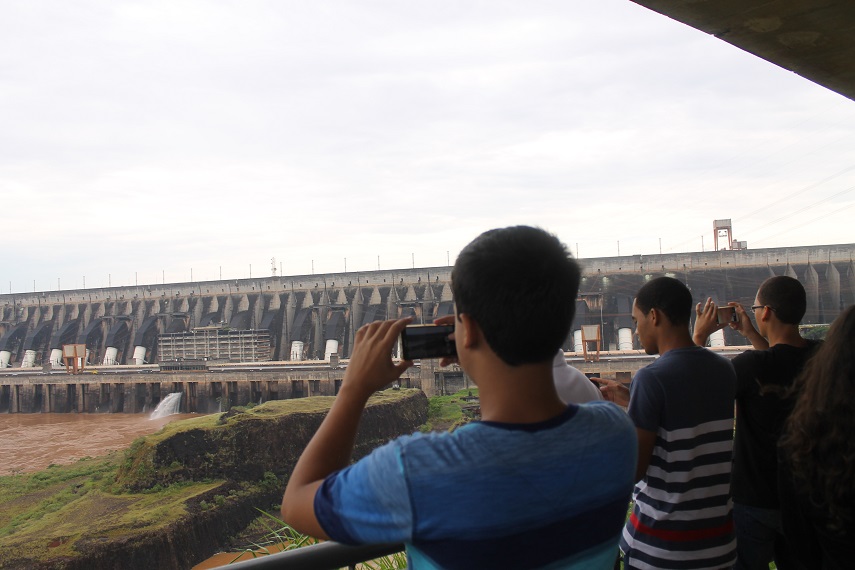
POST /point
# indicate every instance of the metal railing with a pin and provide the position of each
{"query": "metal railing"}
(322, 556)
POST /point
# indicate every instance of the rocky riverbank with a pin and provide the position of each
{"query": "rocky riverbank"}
(175, 497)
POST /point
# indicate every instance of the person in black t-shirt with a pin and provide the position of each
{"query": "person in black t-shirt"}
(762, 406)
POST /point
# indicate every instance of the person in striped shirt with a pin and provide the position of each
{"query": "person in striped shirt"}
(682, 408)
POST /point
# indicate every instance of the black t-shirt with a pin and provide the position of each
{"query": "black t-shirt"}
(761, 410)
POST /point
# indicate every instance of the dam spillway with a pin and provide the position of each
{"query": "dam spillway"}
(204, 326)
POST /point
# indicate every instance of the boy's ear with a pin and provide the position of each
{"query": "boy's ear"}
(470, 330)
(655, 316)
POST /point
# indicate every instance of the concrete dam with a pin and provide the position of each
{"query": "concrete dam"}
(296, 332)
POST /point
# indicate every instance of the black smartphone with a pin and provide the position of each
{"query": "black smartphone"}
(427, 341)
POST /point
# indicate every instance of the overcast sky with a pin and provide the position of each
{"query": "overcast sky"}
(147, 140)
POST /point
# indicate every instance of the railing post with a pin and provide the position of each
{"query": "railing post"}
(322, 556)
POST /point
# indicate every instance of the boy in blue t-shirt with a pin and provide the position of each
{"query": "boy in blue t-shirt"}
(535, 484)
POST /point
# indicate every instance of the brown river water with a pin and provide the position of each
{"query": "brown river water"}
(30, 442)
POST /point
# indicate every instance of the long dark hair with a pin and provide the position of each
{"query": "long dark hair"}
(818, 438)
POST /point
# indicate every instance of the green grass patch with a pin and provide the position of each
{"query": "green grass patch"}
(446, 412)
(46, 514)
(814, 332)
(31, 496)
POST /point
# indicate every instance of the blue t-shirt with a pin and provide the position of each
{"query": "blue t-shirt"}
(682, 513)
(491, 495)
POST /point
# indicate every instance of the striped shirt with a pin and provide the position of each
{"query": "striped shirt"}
(682, 512)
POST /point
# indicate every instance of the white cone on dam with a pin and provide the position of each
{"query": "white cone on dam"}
(29, 360)
(139, 355)
(110, 356)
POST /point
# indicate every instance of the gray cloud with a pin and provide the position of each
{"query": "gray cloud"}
(155, 137)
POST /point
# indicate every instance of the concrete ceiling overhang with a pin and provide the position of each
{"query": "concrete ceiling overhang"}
(813, 38)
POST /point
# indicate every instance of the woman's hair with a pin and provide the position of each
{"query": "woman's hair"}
(819, 437)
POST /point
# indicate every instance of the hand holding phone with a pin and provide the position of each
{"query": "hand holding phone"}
(726, 315)
(428, 341)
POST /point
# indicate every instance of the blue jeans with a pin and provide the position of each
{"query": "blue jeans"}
(759, 539)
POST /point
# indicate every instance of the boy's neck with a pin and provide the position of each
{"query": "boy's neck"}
(785, 334)
(675, 339)
(518, 394)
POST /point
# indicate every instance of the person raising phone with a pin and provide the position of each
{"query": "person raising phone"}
(763, 377)
(529, 474)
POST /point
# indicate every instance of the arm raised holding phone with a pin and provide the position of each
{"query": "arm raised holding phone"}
(370, 369)
(711, 318)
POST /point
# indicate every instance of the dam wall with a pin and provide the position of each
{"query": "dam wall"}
(314, 317)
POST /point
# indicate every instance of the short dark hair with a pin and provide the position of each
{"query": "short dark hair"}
(670, 296)
(519, 284)
(786, 296)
